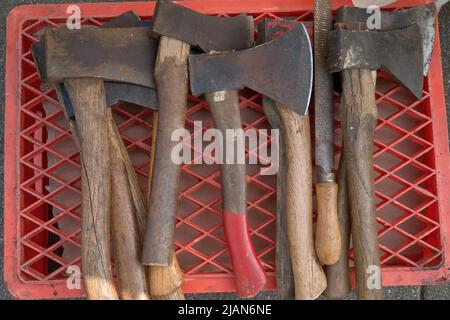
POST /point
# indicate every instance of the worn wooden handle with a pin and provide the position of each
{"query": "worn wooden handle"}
(358, 130)
(171, 78)
(89, 103)
(164, 282)
(127, 241)
(285, 278)
(328, 235)
(248, 272)
(309, 277)
(338, 281)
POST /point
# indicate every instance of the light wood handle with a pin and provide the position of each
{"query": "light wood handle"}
(338, 281)
(285, 278)
(89, 104)
(127, 241)
(171, 77)
(328, 237)
(309, 277)
(358, 130)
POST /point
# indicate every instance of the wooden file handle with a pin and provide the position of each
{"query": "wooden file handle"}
(88, 99)
(358, 131)
(249, 274)
(328, 237)
(309, 277)
(285, 278)
(171, 77)
(338, 281)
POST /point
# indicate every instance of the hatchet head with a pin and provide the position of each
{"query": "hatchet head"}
(116, 92)
(280, 69)
(424, 16)
(397, 52)
(209, 33)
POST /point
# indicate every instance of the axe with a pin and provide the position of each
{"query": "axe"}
(180, 27)
(402, 48)
(266, 69)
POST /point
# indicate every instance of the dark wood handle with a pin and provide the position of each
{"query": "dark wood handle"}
(285, 277)
(338, 281)
(127, 241)
(358, 130)
(171, 78)
(88, 99)
(164, 282)
(328, 237)
(249, 274)
(309, 277)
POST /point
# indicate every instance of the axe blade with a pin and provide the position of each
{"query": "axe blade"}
(206, 32)
(424, 16)
(112, 54)
(280, 69)
(397, 52)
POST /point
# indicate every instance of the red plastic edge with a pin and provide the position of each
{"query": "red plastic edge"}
(219, 283)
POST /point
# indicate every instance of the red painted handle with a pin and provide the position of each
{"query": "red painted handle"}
(250, 277)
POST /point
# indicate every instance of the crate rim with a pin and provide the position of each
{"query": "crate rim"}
(18, 289)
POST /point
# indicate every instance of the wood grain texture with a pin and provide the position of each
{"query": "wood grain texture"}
(164, 282)
(127, 241)
(328, 237)
(89, 103)
(358, 130)
(171, 76)
(285, 277)
(338, 281)
(309, 277)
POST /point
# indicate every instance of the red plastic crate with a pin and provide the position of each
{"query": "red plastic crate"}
(42, 183)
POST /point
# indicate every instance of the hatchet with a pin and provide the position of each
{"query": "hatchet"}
(281, 70)
(402, 48)
(178, 27)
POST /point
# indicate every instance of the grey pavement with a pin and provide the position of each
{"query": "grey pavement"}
(394, 293)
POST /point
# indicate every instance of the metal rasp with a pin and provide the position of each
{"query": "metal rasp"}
(328, 239)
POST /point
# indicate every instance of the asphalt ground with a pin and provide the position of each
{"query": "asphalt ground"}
(394, 293)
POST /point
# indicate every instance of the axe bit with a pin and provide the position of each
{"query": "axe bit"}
(402, 48)
(328, 237)
(180, 27)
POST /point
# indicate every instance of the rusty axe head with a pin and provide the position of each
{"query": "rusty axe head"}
(402, 43)
(116, 92)
(209, 33)
(280, 69)
(424, 16)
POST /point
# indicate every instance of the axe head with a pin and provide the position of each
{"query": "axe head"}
(424, 16)
(116, 92)
(113, 54)
(280, 69)
(397, 52)
(209, 33)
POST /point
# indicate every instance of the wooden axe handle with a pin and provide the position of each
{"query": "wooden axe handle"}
(164, 282)
(309, 277)
(127, 241)
(285, 278)
(88, 99)
(248, 272)
(358, 131)
(171, 78)
(338, 281)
